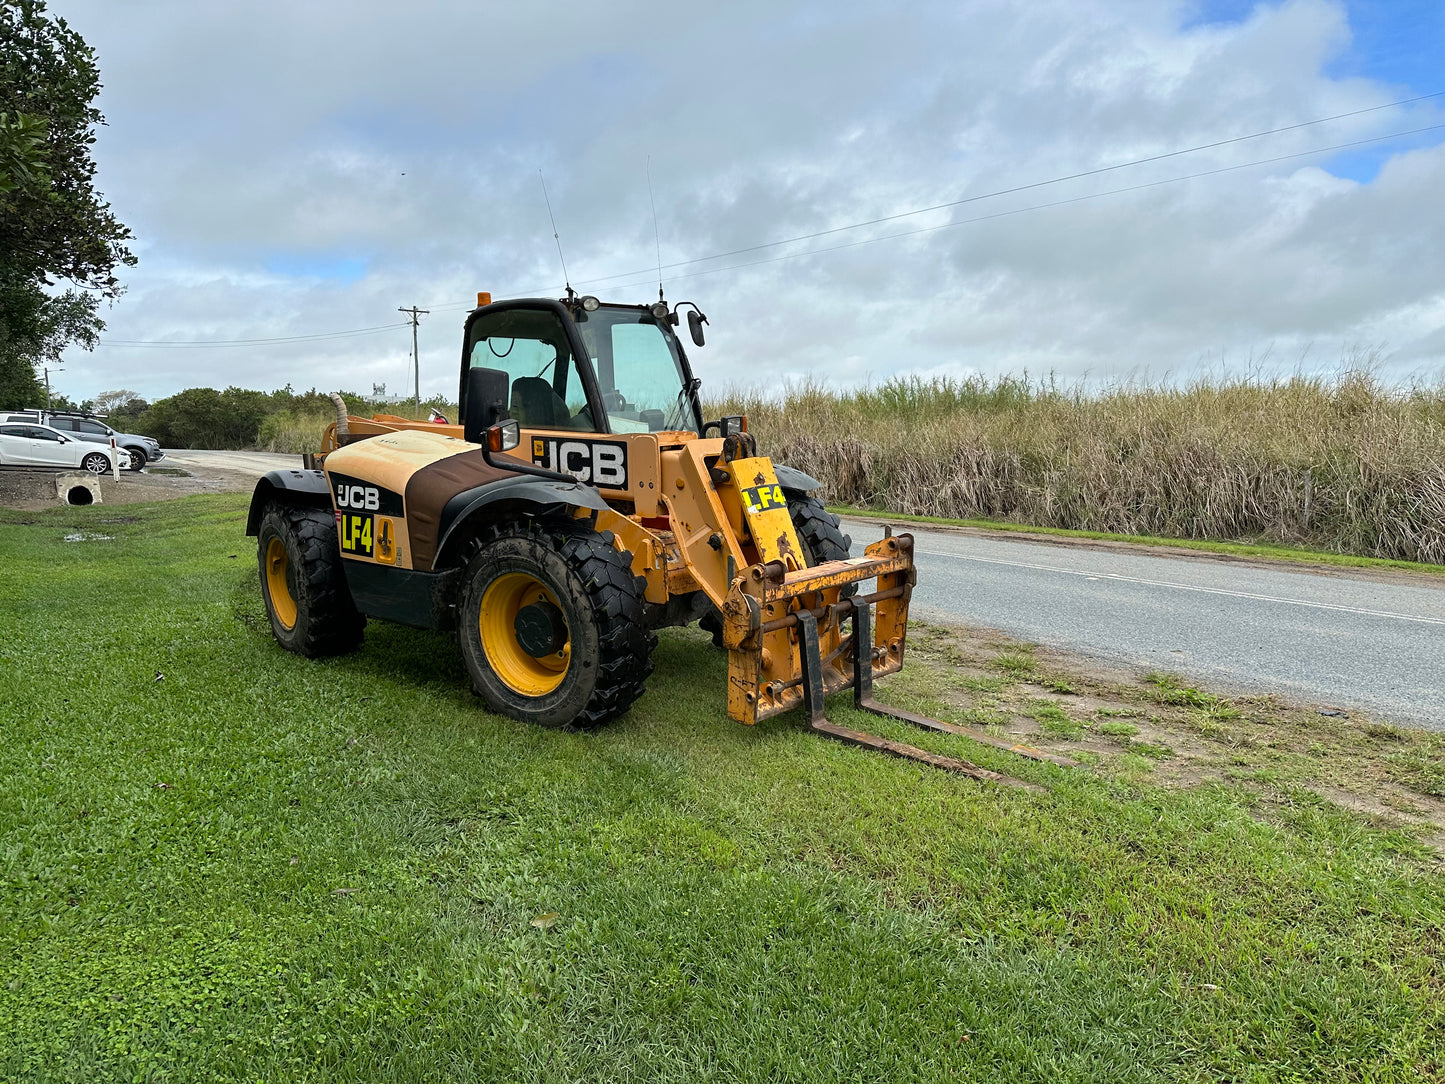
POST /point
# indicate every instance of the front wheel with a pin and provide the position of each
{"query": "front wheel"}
(822, 538)
(96, 463)
(818, 530)
(551, 626)
(137, 458)
(303, 583)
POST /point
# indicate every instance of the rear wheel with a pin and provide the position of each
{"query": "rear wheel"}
(96, 463)
(552, 626)
(303, 583)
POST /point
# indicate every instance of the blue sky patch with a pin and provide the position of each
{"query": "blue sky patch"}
(1396, 42)
(343, 270)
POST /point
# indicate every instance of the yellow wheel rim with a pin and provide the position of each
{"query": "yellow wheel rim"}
(522, 673)
(278, 587)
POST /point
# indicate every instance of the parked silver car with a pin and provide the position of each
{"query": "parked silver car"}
(31, 445)
(136, 450)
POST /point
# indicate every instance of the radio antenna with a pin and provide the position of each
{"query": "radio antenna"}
(555, 236)
(656, 234)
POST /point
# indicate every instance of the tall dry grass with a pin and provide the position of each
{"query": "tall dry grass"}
(298, 430)
(1345, 464)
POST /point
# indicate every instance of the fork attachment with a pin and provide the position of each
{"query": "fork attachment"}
(787, 648)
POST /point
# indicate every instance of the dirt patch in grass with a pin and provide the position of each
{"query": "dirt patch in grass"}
(1158, 726)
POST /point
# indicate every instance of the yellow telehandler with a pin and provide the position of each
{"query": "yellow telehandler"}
(581, 503)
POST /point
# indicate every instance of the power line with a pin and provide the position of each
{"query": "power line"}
(1032, 185)
(197, 344)
(205, 344)
(1011, 191)
(1038, 206)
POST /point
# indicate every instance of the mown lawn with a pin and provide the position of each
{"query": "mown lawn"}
(222, 861)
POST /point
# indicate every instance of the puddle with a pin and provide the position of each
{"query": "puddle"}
(175, 472)
(89, 536)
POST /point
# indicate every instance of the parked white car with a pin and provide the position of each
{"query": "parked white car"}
(41, 446)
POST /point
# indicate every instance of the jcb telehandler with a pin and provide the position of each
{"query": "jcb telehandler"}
(582, 503)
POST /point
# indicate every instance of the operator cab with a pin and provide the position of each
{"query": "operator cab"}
(579, 364)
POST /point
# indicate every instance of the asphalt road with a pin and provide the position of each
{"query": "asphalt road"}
(1349, 640)
(1326, 638)
(254, 464)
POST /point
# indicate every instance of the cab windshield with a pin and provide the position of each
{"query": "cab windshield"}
(639, 370)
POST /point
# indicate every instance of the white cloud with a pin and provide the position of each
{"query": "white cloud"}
(252, 146)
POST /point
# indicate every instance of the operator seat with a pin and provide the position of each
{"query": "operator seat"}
(536, 406)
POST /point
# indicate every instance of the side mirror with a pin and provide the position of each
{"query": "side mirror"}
(504, 437)
(695, 320)
(485, 405)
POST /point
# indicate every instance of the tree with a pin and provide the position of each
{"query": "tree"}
(54, 225)
(206, 418)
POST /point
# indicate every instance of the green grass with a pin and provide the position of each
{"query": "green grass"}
(221, 861)
(1258, 550)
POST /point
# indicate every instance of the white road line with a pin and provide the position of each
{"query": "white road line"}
(1190, 587)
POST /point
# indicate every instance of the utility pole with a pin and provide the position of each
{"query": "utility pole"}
(416, 315)
(47, 387)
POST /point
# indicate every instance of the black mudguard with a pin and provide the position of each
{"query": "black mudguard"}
(305, 487)
(534, 496)
(796, 480)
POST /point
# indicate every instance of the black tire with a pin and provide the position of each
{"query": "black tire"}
(818, 530)
(603, 648)
(306, 597)
(96, 463)
(137, 458)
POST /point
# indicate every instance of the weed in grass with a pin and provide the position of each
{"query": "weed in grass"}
(1116, 729)
(1421, 767)
(1052, 719)
(1015, 663)
(1170, 690)
(986, 716)
(1384, 732)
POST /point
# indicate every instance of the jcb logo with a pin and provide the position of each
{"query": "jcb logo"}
(603, 463)
(366, 497)
(762, 498)
(359, 495)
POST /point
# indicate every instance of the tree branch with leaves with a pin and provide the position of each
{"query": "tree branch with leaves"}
(54, 226)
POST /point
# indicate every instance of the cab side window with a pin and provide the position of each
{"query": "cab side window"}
(545, 389)
(92, 427)
(34, 432)
(64, 424)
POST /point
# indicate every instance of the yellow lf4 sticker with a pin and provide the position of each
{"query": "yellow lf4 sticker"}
(357, 533)
(763, 498)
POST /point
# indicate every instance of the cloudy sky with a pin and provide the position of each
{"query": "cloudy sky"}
(299, 171)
